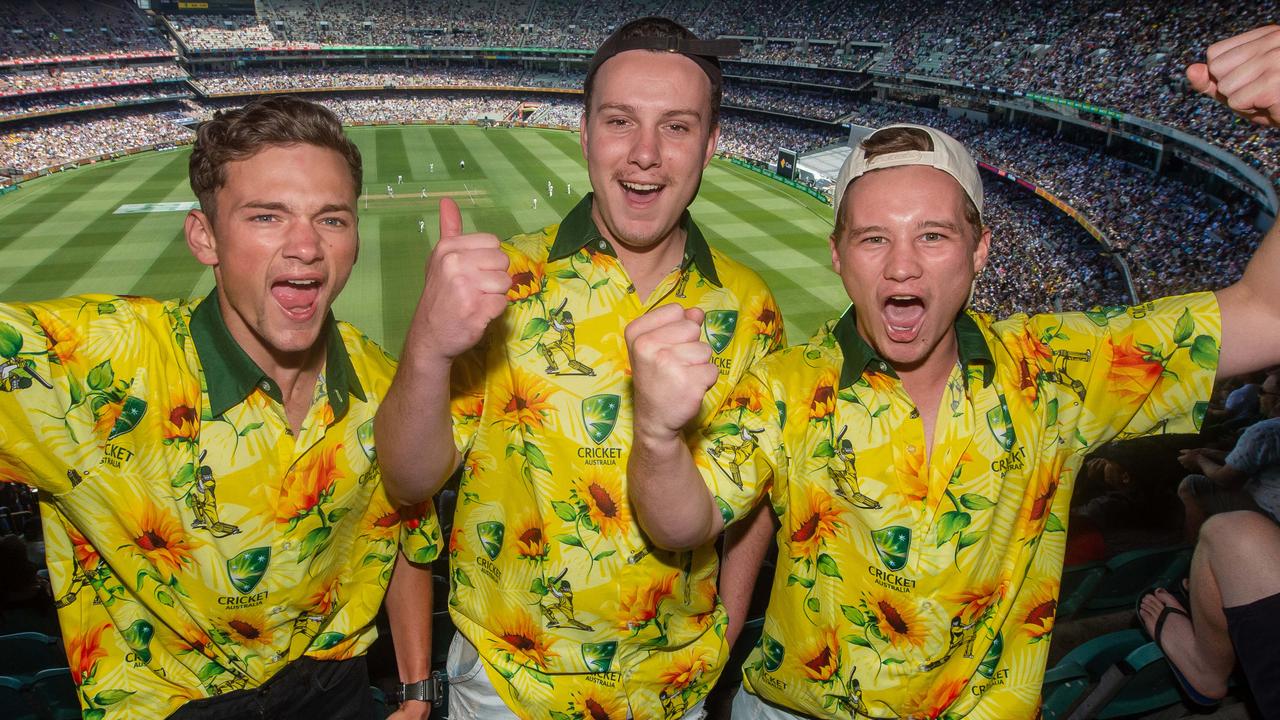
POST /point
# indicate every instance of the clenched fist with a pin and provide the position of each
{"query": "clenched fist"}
(671, 369)
(1243, 73)
(466, 287)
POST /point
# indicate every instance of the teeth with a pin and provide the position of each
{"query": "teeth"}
(639, 187)
(902, 297)
(302, 283)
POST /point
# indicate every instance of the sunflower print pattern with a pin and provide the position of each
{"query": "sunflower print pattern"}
(551, 578)
(191, 553)
(924, 585)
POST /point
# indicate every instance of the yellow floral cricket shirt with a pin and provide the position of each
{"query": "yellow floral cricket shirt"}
(573, 613)
(195, 545)
(914, 589)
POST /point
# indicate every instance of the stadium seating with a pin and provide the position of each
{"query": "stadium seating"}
(55, 690)
(24, 654)
(1098, 588)
(13, 700)
(1128, 676)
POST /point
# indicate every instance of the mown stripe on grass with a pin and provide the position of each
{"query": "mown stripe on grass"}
(79, 187)
(535, 171)
(79, 254)
(403, 261)
(173, 274)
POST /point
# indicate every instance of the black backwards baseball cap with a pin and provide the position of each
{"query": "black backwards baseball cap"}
(664, 35)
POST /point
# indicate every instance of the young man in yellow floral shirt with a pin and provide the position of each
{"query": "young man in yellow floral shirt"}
(921, 456)
(565, 610)
(218, 537)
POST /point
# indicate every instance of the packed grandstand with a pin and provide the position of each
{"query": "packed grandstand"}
(1108, 180)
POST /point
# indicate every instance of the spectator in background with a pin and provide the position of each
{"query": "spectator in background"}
(1246, 478)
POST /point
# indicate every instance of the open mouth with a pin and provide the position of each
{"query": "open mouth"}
(903, 317)
(641, 193)
(297, 297)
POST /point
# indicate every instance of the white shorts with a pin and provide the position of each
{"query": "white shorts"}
(749, 707)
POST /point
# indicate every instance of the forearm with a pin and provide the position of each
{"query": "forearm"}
(1251, 312)
(672, 503)
(409, 609)
(413, 430)
(1227, 476)
(745, 546)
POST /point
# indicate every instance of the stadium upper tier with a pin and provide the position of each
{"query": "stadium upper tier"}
(1124, 55)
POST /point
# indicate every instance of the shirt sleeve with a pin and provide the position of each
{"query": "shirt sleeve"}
(420, 532)
(57, 406)
(740, 453)
(1257, 449)
(1130, 371)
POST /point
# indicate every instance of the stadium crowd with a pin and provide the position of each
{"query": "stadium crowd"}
(74, 27)
(38, 144)
(56, 78)
(1128, 58)
(820, 106)
(378, 76)
(399, 107)
(13, 108)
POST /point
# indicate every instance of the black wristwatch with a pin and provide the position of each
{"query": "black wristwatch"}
(430, 690)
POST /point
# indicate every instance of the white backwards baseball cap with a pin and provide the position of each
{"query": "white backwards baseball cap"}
(948, 155)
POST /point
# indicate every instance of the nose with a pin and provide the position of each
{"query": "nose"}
(304, 243)
(645, 148)
(903, 262)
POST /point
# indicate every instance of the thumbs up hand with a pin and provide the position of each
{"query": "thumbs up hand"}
(1243, 73)
(466, 288)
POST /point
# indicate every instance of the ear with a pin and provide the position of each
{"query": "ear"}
(582, 132)
(713, 139)
(201, 240)
(832, 242)
(980, 252)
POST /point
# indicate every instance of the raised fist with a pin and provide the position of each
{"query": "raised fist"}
(1243, 73)
(671, 369)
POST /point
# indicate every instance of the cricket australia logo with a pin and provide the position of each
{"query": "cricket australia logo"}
(1001, 425)
(893, 545)
(247, 569)
(130, 415)
(718, 327)
(599, 416)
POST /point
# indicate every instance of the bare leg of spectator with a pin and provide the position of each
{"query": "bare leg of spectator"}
(1236, 565)
(1194, 514)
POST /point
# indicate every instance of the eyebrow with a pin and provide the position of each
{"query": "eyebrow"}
(920, 225)
(631, 110)
(283, 207)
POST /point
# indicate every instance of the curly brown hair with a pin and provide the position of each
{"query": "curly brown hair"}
(240, 133)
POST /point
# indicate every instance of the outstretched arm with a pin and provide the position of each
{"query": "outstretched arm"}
(465, 290)
(1243, 73)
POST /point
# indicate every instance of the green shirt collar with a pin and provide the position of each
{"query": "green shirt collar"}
(577, 229)
(231, 375)
(858, 354)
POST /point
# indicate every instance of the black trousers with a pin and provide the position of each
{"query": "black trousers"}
(305, 689)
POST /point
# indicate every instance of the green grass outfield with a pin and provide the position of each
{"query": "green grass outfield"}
(59, 235)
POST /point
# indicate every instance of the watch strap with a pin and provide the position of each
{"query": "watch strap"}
(429, 689)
